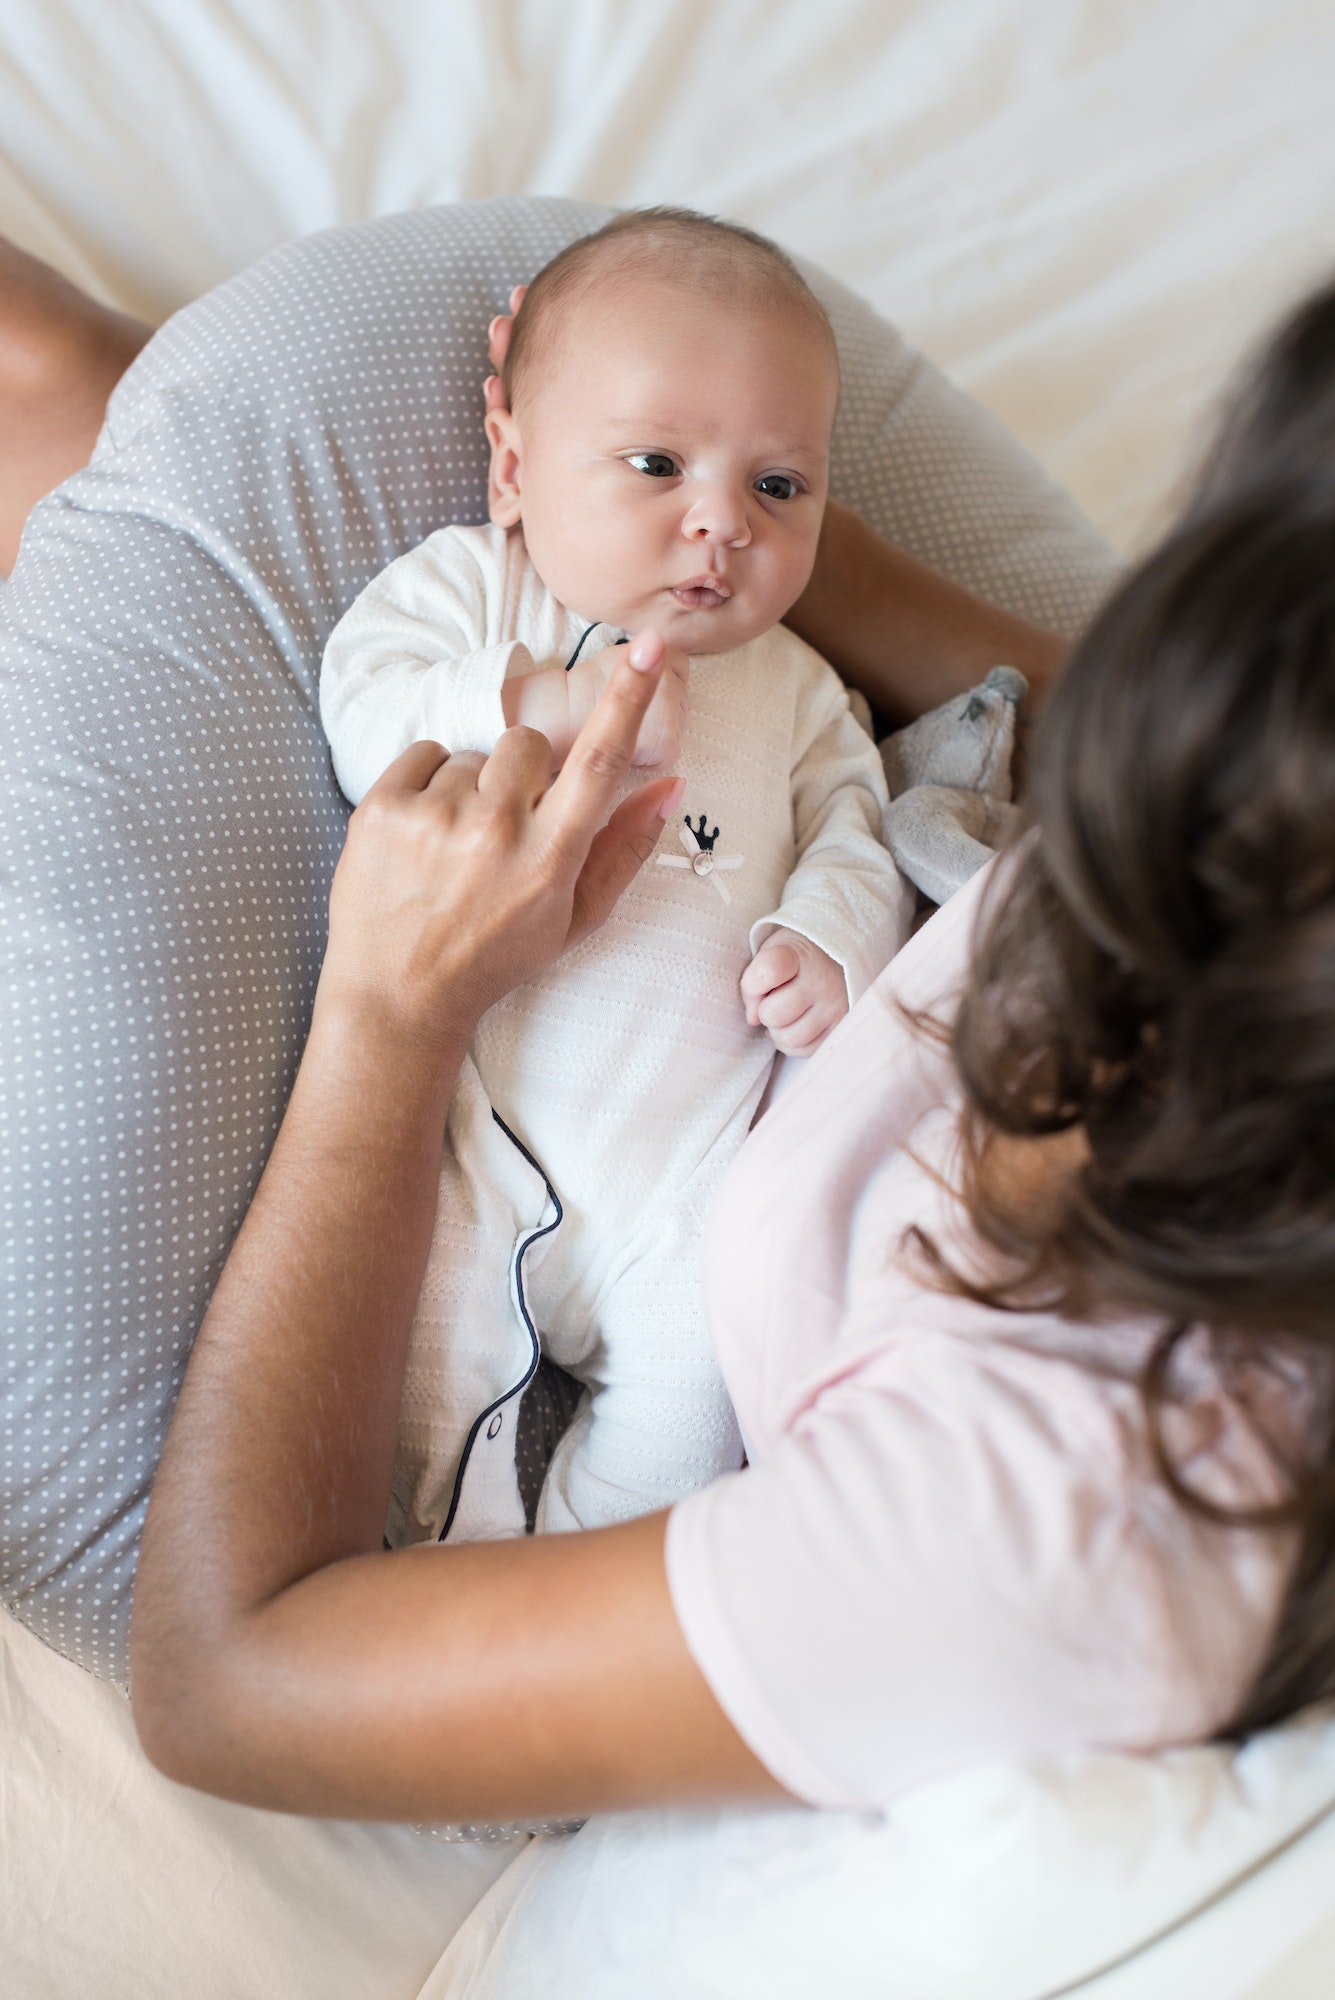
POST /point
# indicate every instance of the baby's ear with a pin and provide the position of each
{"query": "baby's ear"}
(503, 503)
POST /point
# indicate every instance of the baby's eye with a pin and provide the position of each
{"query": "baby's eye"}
(656, 464)
(778, 486)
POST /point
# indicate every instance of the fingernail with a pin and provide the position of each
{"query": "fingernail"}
(635, 652)
(668, 805)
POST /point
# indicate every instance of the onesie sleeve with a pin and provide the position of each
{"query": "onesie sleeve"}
(845, 893)
(409, 660)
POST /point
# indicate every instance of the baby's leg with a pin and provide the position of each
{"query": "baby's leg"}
(657, 1421)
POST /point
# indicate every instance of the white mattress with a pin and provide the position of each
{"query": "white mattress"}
(1084, 209)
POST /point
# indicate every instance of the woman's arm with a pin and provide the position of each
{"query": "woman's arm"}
(278, 1654)
(906, 636)
(61, 355)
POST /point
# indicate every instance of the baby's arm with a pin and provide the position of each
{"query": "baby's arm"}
(559, 701)
(417, 656)
(410, 660)
(845, 909)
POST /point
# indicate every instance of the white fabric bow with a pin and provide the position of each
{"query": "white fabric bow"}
(701, 860)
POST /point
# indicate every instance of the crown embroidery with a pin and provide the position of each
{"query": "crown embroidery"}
(701, 854)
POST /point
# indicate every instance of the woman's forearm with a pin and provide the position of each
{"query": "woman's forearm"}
(906, 636)
(312, 1313)
(61, 355)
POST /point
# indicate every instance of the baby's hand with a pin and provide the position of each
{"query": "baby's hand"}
(796, 990)
(659, 741)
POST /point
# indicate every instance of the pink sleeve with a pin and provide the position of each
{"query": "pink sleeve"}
(960, 1557)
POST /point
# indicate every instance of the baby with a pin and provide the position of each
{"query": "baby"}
(661, 467)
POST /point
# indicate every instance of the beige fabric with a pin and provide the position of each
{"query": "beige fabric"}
(119, 1884)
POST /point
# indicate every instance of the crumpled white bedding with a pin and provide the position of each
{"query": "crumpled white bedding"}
(1005, 1882)
(1084, 212)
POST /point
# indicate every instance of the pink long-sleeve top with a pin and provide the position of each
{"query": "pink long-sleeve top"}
(951, 1543)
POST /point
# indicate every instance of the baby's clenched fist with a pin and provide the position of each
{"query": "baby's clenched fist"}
(659, 740)
(794, 990)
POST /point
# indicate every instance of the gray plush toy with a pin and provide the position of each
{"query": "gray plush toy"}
(949, 775)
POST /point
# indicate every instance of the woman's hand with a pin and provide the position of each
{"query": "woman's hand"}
(464, 876)
(498, 346)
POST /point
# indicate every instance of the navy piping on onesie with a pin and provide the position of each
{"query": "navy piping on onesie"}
(536, 1236)
(569, 664)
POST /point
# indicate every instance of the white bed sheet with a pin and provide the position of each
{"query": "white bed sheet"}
(1084, 209)
(1002, 1883)
(1270, 1937)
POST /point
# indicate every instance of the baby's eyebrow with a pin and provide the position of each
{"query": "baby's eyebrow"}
(639, 422)
(649, 431)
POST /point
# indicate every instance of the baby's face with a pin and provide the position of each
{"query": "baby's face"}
(670, 464)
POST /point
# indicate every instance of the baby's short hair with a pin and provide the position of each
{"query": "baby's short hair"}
(725, 259)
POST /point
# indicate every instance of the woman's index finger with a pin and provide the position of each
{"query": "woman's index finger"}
(599, 758)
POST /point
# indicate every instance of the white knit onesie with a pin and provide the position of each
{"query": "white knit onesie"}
(626, 1075)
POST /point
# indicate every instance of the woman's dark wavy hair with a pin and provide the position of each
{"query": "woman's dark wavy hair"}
(1159, 967)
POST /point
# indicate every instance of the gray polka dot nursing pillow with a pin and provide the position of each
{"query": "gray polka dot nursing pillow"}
(169, 821)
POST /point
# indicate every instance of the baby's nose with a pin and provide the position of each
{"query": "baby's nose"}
(718, 515)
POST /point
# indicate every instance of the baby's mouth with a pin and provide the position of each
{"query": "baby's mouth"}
(702, 593)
